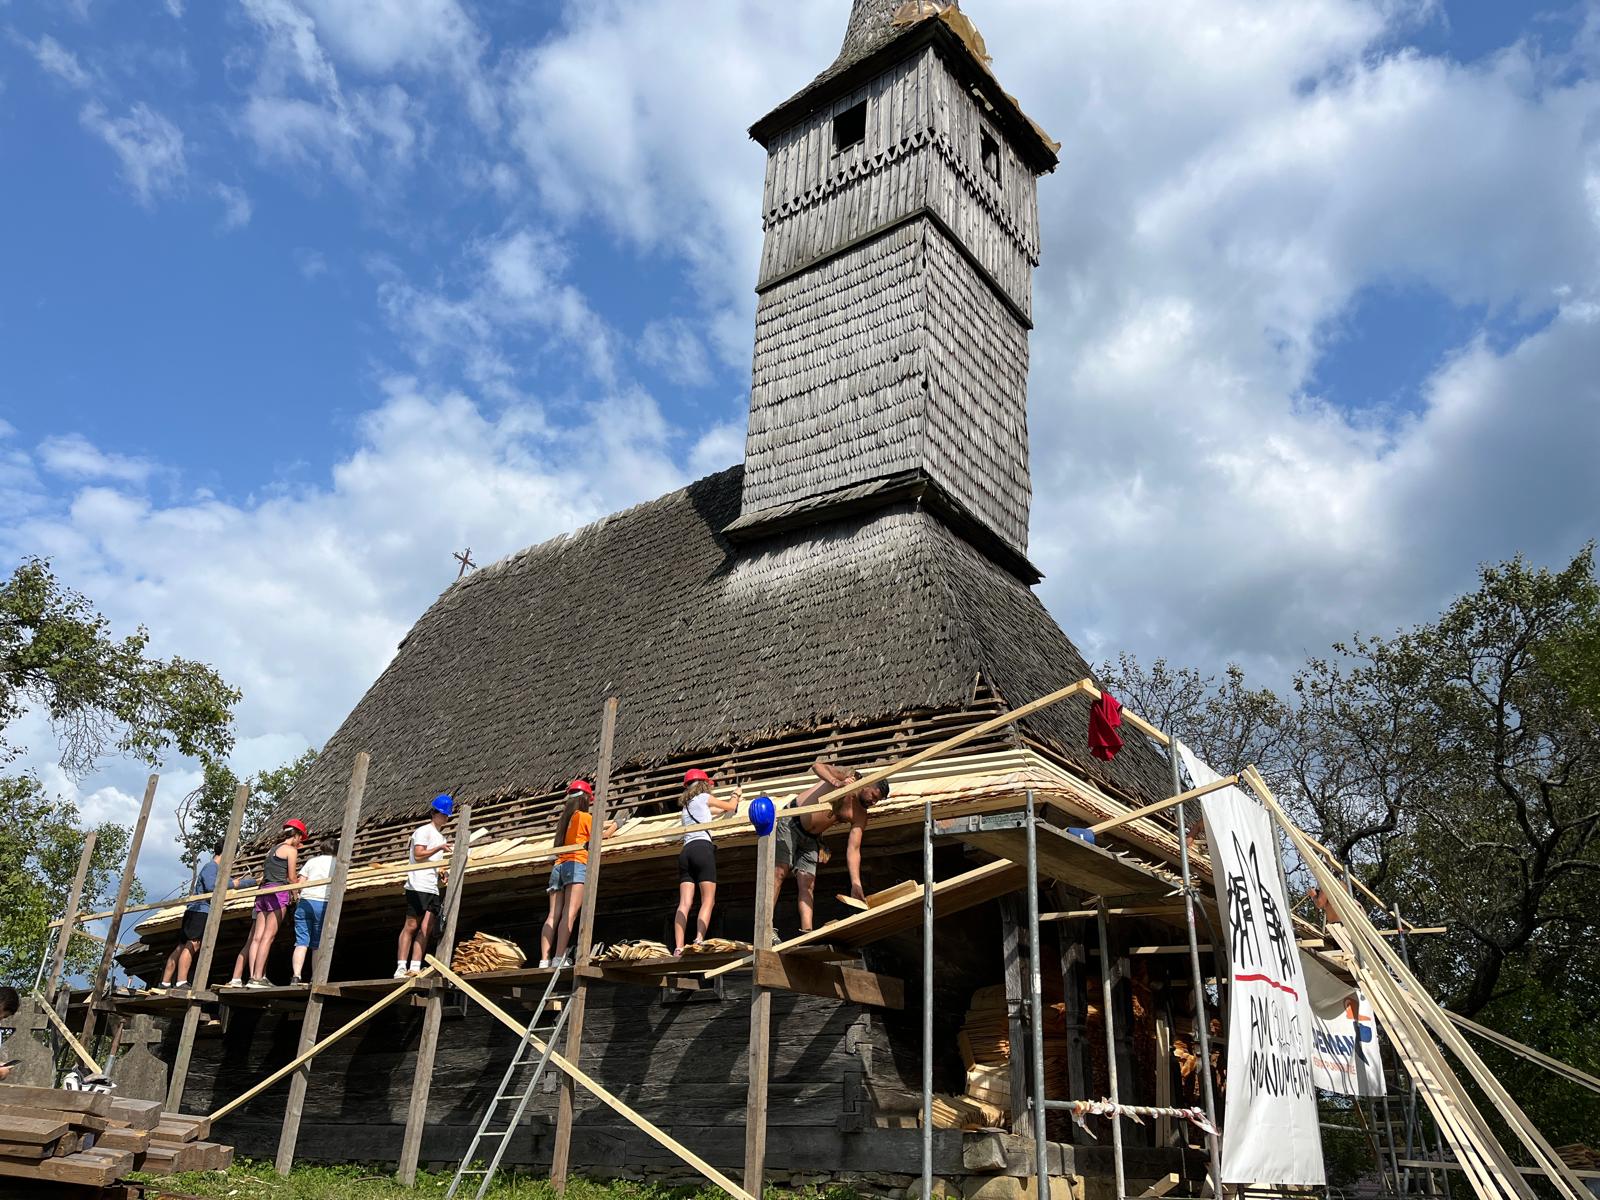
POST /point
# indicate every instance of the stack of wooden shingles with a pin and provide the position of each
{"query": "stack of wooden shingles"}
(1580, 1157)
(69, 1143)
(985, 1043)
(485, 952)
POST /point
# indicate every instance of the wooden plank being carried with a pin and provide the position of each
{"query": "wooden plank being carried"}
(813, 978)
(949, 896)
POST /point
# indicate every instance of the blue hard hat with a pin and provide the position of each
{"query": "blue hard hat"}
(442, 803)
(763, 815)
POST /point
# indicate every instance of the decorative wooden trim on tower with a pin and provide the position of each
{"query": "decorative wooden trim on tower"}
(902, 231)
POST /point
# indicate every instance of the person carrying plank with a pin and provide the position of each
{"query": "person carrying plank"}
(798, 848)
(697, 861)
(422, 888)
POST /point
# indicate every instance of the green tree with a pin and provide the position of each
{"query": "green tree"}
(102, 694)
(203, 815)
(41, 840)
(1456, 767)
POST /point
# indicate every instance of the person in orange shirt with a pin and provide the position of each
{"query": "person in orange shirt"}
(569, 874)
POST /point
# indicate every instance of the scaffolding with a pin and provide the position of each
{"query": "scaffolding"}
(1027, 851)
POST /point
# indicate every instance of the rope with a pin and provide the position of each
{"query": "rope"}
(1082, 1109)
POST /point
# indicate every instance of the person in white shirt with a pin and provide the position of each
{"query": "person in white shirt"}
(422, 889)
(311, 908)
(697, 861)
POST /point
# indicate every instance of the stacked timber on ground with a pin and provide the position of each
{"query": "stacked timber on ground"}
(55, 1142)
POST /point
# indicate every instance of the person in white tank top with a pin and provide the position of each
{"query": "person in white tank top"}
(697, 861)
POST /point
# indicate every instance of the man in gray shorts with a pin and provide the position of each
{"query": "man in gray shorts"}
(798, 849)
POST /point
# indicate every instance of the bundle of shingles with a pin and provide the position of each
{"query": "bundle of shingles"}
(485, 952)
(642, 950)
(985, 1044)
(55, 1142)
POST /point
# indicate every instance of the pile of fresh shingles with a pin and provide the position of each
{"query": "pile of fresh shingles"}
(60, 1143)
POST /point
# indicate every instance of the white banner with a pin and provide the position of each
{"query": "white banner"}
(1270, 1135)
(1346, 1055)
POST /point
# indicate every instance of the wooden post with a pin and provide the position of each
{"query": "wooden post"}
(200, 968)
(433, 1015)
(755, 1113)
(1011, 928)
(58, 960)
(561, 1156)
(322, 960)
(1072, 935)
(102, 975)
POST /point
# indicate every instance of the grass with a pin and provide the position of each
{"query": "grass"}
(258, 1181)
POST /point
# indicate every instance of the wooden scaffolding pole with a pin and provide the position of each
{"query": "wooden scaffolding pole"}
(611, 1101)
(103, 973)
(428, 1045)
(755, 1113)
(200, 969)
(58, 960)
(561, 1156)
(322, 959)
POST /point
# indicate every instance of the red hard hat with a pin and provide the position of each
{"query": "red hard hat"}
(299, 826)
(694, 774)
(581, 785)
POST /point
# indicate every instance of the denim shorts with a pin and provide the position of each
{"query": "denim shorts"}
(565, 874)
(308, 916)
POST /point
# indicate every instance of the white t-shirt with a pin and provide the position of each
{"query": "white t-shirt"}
(318, 867)
(426, 880)
(697, 812)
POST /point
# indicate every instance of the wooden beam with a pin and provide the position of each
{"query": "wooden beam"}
(1016, 1036)
(1565, 1070)
(760, 1057)
(949, 895)
(829, 980)
(200, 968)
(403, 988)
(78, 1047)
(58, 959)
(589, 1084)
(322, 959)
(1162, 805)
(561, 1155)
(433, 1014)
(98, 988)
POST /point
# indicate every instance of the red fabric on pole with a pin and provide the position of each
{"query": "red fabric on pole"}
(1105, 714)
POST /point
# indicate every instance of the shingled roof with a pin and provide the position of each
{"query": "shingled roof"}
(497, 689)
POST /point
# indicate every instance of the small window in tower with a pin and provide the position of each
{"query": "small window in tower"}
(990, 156)
(850, 127)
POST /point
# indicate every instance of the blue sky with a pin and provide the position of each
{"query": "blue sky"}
(303, 295)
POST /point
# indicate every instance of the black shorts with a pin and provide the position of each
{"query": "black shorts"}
(697, 863)
(420, 903)
(194, 925)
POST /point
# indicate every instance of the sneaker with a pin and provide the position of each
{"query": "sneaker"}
(181, 986)
(399, 973)
(235, 982)
(263, 982)
(413, 972)
(544, 964)
(296, 981)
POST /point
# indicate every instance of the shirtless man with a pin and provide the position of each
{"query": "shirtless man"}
(798, 848)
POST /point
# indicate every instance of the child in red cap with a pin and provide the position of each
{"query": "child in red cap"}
(697, 861)
(569, 874)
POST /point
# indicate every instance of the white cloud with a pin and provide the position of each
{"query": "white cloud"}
(674, 347)
(312, 264)
(174, 9)
(149, 148)
(72, 456)
(60, 62)
(236, 206)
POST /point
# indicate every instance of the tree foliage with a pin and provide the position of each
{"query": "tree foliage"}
(41, 841)
(203, 815)
(102, 694)
(1456, 767)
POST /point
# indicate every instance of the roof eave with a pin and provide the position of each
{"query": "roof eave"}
(1039, 153)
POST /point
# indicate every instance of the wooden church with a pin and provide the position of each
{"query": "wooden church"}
(857, 589)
